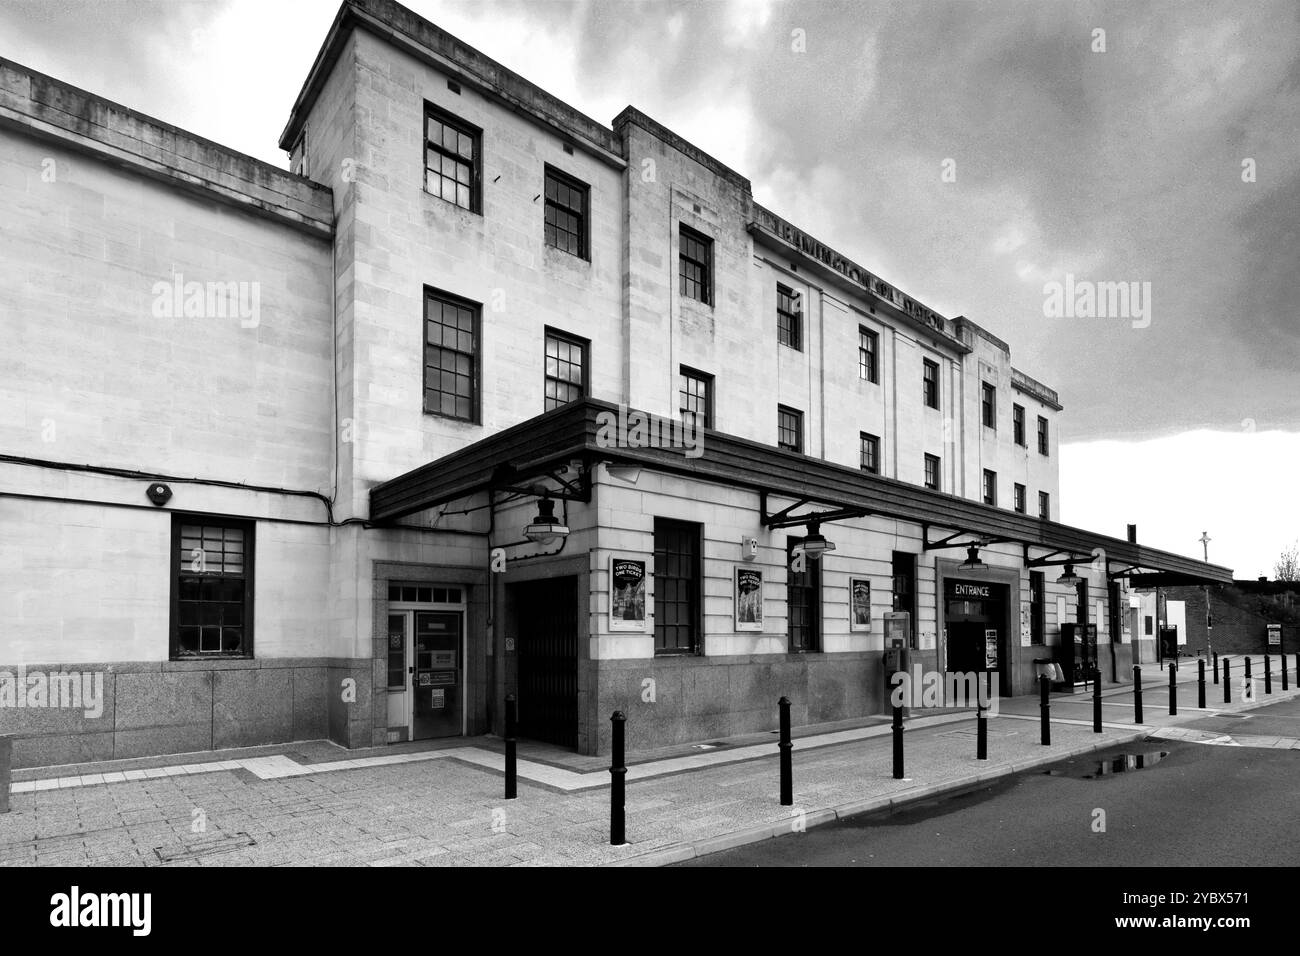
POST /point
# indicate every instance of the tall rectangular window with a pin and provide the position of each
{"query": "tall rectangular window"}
(696, 397)
(789, 318)
(789, 428)
(868, 352)
(932, 472)
(1018, 424)
(211, 588)
(1037, 607)
(566, 369)
(990, 487)
(988, 405)
(695, 265)
(451, 340)
(931, 383)
(1042, 435)
(870, 452)
(803, 601)
(903, 569)
(677, 586)
(452, 160)
(566, 213)
(1045, 506)
(1018, 497)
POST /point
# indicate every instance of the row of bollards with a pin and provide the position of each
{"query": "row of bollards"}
(618, 769)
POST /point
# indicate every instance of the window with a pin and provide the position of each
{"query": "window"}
(695, 266)
(990, 487)
(566, 213)
(696, 397)
(789, 429)
(1018, 424)
(1018, 497)
(803, 601)
(397, 651)
(932, 472)
(931, 383)
(677, 586)
(789, 318)
(1037, 607)
(1146, 624)
(868, 349)
(450, 356)
(1042, 435)
(870, 453)
(212, 587)
(989, 405)
(566, 369)
(903, 568)
(1045, 506)
(452, 161)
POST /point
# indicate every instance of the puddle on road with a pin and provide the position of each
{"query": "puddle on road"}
(1120, 763)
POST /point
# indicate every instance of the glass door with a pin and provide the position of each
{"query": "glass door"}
(437, 675)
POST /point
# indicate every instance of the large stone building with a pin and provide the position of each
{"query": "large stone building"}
(356, 451)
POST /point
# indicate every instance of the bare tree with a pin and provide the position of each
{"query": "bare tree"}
(1287, 567)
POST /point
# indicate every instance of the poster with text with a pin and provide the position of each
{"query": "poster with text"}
(627, 594)
(859, 604)
(749, 599)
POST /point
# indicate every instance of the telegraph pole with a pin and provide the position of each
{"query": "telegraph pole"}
(1205, 540)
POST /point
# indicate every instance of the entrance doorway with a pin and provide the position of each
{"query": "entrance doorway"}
(426, 672)
(975, 620)
(545, 615)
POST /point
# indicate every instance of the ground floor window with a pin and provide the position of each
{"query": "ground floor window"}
(212, 587)
(803, 601)
(677, 586)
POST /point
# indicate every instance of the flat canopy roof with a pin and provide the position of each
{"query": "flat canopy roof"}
(539, 445)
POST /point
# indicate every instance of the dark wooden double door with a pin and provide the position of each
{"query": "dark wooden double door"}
(545, 625)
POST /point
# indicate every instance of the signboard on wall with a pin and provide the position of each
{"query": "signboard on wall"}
(749, 599)
(859, 604)
(626, 594)
(1275, 635)
(991, 649)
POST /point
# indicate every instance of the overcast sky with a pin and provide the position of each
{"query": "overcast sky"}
(1128, 164)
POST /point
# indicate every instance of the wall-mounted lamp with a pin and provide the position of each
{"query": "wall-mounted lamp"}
(815, 545)
(1068, 576)
(973, 562)
(545, 527)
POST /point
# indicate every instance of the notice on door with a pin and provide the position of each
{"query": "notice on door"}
(438, 698)
(991, 649)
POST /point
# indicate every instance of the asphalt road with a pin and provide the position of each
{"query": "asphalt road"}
(1197, 806)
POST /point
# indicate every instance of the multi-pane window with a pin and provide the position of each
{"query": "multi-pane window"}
(990, 487)
(789, 318)
(566, 213)
(212, 587)
(932, 472)
(695, 265)
(566, 369)
(903, 569)
(1042, 435)
(696, 397)
(789, 428)
(1018, 497)
(452, 162)
(450, 356)
(803, 601)
(868, 350)
(1045, 506)
(988, 405)
(1037, 607)
(677, 586)
(1018, 424)
(870, 452)
(931, 383)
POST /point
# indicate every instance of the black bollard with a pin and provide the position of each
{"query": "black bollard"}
(1137, 694)
(511, 780)
(1216, 667)
(1096, 700)
(1044, 708)
(1268, 675)
(981, 733)
(787, 770)
(618, 781)
(1173, 692)
(1282, 660)
(1227, 681)
(898, 743)
(1200, 684)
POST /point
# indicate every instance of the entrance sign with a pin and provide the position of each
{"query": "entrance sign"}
(749, 599)
(626, 594)
(962, 590)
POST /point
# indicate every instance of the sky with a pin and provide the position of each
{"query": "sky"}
(978, 155)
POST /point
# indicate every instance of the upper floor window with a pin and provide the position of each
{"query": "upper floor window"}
(566, 369)
(1018, 496)
(695, 265)
(990, 487)
(988, 405)
(1042, 435)
(868, 350)
(1018, 424)
(452, 161)
(789, 428)
(932, 472)
(451, 355)
(1045, 506)
(212, 587)
(696, 397)
(931, 383)
(566, 213)
(789, 318)
(870, 452)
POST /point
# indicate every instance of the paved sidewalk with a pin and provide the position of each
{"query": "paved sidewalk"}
(316, 804)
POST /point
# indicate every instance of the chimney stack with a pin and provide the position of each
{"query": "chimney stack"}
(1132, 534)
